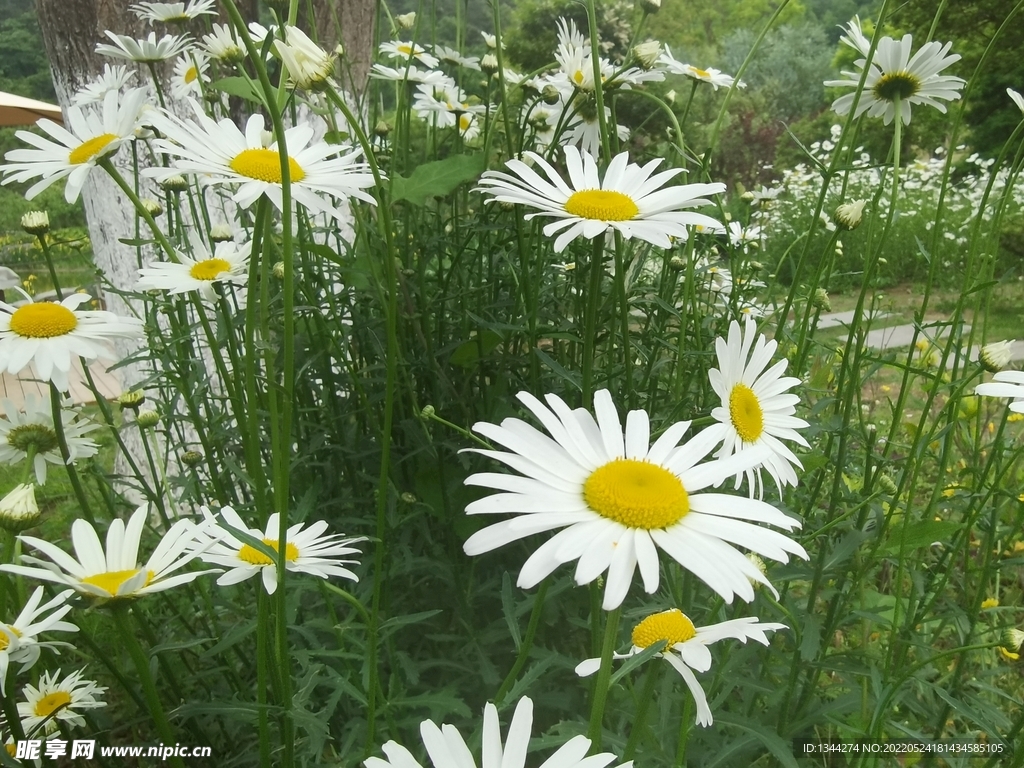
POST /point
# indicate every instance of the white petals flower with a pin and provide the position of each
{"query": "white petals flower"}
(447, 748)
(147, 51)
(630, 199)
(174, 12)
(619, 499)
(189, 75)
(755, 409)
(115, 573)
(19, 641)
(410, 74)
(18, 509)
(114, 78)
(31, 429)
(1005, 384)
(229, 263)
(400, 49)
(714, 77)
(849, 215)
(219, 153)
(996, 355)
(444, 105)
(687, 647)
(222, 45)
(58, 700)
(306, 551)
(48, 335)
(309, 66)
(452, 56)
(893, 75)
(87, 138)
(1016, 98)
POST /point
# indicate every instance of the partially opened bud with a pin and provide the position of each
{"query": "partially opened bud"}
(849, 215)
(18, 509)
(996, 356)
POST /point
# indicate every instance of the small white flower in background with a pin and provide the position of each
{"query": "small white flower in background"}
(1005, 384)
(400, 49)
(996, 356)
(306, 551)
(452, 56)
(114, 78)
(18, 511)
(190, 75)
(36, 222)
(58, 701)
(489, 64)
(406, 20)
(491, 41)
(444, 105)
(850, 215)
(1017, 98)
(687, 647)
(447, 749)
(647, 54)
(893, 75)
(222, 45)
(30, 429)
(145, 51)
(229, 263)
(716, 78)
(650, 6)
(222, 233)
(763, 196)
(411, 74)
(19, 643)
(309, 66)
(174, 12)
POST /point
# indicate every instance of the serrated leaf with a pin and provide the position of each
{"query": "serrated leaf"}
(559, 369)
(437, 179)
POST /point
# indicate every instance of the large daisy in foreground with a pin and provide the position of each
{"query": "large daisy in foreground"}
(447, 748)
(893, 75)
(620, 499)
(1005, 384)
(47, 335)
(686, 647)
(219, 153)
(755, 409)
(629, 199)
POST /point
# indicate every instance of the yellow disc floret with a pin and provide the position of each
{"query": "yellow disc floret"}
(265, 165)
(51, 703)
(893, 85)
(672, 626)
(5, 639)
(253, 556)
(637, 494)
(90, 149)
(43, 320)
(746, 414)
(191, 74)
(209, 269)
(111, 581)
(602, 205)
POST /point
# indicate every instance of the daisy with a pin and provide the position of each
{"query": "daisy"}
(629, 199)
(687, 647)
(219, 153)
(88, 138)
(47, 335)
(306, 551)
(18, 640)
(1005, 384)
(1016, 98)
(621, 499)
(443, 104)
(222, 45)
(147, 51)
(894, 76)
(18, 509)
(447, 748)
(411, 74)
(309, 66)
(189, 75)
(113, 79)
(229, 263)
(174, 12)
(56, 699)
(714, 77)
(452, 56)
(764, 196)
(400, 49)
(30, 429)
(115, 573)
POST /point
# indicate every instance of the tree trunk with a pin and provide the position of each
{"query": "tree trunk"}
(352, 23)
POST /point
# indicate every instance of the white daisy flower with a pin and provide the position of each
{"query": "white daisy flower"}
(31, 429)
(619, 500)
(190, 75)
(452, 56)
(306, 551)
(58, 700)
(401, 49)
(219, 153)
(1016, 98)
(147, 51)
(447, 748)
(115, 573)
(411, 74)
(687, 647)
(114, 78)
(222, 45)
(19, 641)
(18, 509)
(47, 335)
(714, 77)
(309, 67)
(77, 148)
(1005, 384)
(893, 75)
(764, 196)
(756, 409)
(629, 199)
(443, 104)
(491, 41)
(229, 263)
(174, 12)
(469, 126)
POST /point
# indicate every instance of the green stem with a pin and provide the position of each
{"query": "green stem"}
(527, 644)
(65, 454)
(590, 319)
(611, 630)
(637, 726)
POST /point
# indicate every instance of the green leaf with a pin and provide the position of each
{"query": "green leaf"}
(237, 86)
(779, 747)
(437, 179)
(810, 641)
(559, 370)
(922, 534)
(469, 353)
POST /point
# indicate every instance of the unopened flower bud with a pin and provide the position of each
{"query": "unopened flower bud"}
(427, 412)
(339, 50)
(406, 20)
(147, 419)
(151, 206)
(887, 484)
(174, 184)
(489, 63)
(132, 399)
(36, 222)
(191, 458)
(677, 263)
(18, 509)
(650, 6)
(646, 54)
(670, 97)
(969, 406)
(1013, 639)
(278, 270)
(382, 129)
(820, 300)
(849, 215)
(221, 233)
(761, 567)
(409, 498)
(996, 356)
(550, 94)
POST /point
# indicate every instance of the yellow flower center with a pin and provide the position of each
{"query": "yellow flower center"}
(43, 320)
(602, 205)
(637, 494)
(672, 626)
(745, 412)
(265, 165)
(253, 556)
(111, 581)
(87, 150)
(405, 48)
(51, 702)
(893, 85)
(703, 73)
(191, 74)
(578, 76)
(465, 121)
(209, 269)
(4, 639)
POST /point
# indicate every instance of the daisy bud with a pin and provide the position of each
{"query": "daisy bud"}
(409, 498)
(147, 419)
(491, 41)
(36, 222)
(309, 66)
(339, 50)
(676, 263)
(278, 270)
(191, 458)
(132, 399)
(757, 266)
(550, 94)
(820, 300)
(489, 63)
(221, 233)
(1013, 639)
(849, 215)
(759, 564)
(887, 483)
(382, 129)
(670, 97)
(174, 184)
(993, 357)
(18, 509)
(969, 406)
(646, 54)
(406, 20)
(427, 412)
(151, 206)
(650, 6)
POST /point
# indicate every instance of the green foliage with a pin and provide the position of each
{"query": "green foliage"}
(24, 69)
(532, 34)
